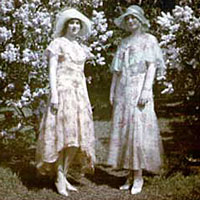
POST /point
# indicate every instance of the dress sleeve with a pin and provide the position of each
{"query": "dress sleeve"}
(117, 62)
(87, 51)
(153, 53)
(53, 48)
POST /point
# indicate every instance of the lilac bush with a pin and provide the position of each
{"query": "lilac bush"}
(25, 31)
(180, 37)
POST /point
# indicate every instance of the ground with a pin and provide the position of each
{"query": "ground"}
(179, 179)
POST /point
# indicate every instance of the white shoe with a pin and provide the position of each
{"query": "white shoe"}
(60, 184)
(137, 186)
(69, 186)
(126, 186)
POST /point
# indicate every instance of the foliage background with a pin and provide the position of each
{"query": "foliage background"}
(26, 28)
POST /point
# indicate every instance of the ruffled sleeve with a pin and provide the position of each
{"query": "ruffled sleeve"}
(153, 53)
(87, 51)
(117, 62)
(54, 48)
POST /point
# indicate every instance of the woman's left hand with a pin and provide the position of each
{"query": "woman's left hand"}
(54, 108)
(144, 97)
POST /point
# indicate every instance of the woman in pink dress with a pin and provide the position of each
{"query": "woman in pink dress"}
(66, 130)
(135, 140)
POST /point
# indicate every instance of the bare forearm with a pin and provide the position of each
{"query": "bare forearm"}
(113, 87)
(53, 77)
(147, 86)
(113, 84)
(149, 79)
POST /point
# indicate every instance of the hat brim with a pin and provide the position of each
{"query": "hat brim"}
(120, 21)
(72, 14)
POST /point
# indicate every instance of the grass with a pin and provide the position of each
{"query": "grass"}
(179, 180)
(101, 187)
(12, 187)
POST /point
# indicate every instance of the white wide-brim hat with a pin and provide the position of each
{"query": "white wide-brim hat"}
(137, 12)
(71, 13)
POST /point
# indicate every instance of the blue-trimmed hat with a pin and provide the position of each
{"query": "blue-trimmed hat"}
(137, 12)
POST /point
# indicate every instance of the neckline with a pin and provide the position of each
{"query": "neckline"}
(131, 37)
(71, 41)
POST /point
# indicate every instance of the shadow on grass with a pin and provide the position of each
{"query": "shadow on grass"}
(103, 177)
(21, 165)
(183, 150)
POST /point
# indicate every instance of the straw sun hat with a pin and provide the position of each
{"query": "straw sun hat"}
(137, 12)
(71, 13)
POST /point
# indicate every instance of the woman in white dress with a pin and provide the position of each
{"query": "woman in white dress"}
(66, 130)
(135, 139)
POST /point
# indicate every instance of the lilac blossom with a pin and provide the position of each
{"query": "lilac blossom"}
(6, 6)
(5, 34)
(100, 27)
(11, 53)
(2, 75)
(181, 25)
(24, 34)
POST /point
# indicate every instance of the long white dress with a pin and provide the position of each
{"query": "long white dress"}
(135, 141)
(72, 126)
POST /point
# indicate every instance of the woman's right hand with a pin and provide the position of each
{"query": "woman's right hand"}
(111, 99)
(144, 98)
(54, 108)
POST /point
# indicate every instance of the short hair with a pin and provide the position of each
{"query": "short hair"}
(65, 26)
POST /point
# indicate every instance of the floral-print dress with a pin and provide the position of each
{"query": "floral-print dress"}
(72, 126)
(135, 141)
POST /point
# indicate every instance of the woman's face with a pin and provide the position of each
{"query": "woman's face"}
(132, 23)
(73, 27)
